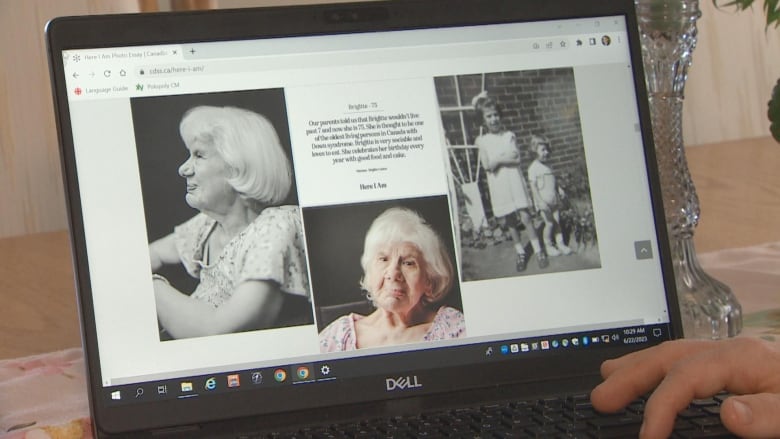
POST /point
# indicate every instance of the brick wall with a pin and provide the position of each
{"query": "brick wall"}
(540, 102)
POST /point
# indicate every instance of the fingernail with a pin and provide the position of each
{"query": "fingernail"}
(743, 412)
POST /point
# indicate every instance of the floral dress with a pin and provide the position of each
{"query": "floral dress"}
(269, 249)
(340, 334)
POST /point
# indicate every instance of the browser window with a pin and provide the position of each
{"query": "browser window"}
(366, 127)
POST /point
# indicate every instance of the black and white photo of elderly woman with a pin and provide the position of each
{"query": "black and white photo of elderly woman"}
(407, 273)
(245, 249)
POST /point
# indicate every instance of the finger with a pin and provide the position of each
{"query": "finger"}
(674, 394)
(702, 375)
(752, 415)
(637, 373)
(663, 355)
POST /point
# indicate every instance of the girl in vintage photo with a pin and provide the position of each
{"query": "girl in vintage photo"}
(547, 196)
(500, 157)
(515, 145)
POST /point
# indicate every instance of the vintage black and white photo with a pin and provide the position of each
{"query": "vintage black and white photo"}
(518, 172)
(225, 234)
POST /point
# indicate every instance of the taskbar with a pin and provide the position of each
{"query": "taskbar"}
(329, 371)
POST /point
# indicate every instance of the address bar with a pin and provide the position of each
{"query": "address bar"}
(302, 60)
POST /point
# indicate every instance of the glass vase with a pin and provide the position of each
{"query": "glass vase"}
(668, 34)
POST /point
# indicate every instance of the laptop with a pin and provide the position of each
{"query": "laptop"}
(288, 216)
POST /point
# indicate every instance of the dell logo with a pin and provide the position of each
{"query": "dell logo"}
(402, 383)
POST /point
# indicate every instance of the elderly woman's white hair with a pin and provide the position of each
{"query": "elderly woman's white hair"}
(249, 144)
(398, 224)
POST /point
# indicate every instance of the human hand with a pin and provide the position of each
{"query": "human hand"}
(158, 278)
(683, 370)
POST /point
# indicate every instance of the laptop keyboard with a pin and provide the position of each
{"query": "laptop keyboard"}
(570, 417)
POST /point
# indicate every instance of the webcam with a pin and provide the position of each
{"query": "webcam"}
(356, 15)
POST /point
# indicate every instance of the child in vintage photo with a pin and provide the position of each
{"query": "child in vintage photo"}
(547, 197)
(509, 197)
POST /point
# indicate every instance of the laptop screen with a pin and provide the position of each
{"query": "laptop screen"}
(283, 217)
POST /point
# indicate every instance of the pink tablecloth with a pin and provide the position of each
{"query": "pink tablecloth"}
(44, 396)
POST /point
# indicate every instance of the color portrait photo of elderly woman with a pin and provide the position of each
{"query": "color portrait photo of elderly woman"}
(242, 243)
(408, 282)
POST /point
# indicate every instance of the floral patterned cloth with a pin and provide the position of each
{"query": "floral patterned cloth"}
(340, 334)
(44, 396)
(270, 248)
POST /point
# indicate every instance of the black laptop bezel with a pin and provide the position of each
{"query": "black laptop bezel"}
(514, 377)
